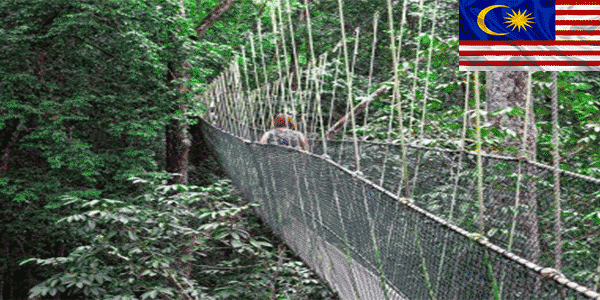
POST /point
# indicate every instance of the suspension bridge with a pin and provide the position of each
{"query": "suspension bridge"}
(397, 219)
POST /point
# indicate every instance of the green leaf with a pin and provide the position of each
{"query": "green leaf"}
(91, 203)
(39, 290)
(150, 294)
(28, 260)
(259, 244)
(132, 235)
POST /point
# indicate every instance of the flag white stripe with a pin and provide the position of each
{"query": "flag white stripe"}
(577, 27)
(577, 7)
(578, 37)
(578, 17)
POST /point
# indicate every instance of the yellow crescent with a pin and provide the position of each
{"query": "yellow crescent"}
(481, 20)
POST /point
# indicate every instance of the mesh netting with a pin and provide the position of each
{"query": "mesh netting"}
(434, 187)
(369, 244)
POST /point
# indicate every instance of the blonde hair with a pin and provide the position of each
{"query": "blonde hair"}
(283, 120)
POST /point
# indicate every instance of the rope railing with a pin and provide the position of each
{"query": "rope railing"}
(307, 199)
(460, 217)
(495, 200)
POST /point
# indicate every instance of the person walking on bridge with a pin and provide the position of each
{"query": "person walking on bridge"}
(284, 133)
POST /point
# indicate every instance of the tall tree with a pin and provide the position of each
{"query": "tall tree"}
(509, 90)
(82, 107)
(177, 142)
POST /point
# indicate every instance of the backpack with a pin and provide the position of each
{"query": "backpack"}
(285, 137)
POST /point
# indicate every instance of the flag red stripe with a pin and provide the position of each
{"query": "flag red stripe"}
(528, 63)
(577, 32)
(577, 12)
(528, 53)
(576, 2)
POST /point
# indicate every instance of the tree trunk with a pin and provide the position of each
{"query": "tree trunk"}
(177, 143)
(531, 197)
(5, 154)
(177, 160)
(213, 16)
(7, 133)
(509, 89)
(9, 138)
(177, 149)
(504, 90)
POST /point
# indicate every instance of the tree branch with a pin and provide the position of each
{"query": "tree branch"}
(93, 45)
(336, 128)
(213, 16)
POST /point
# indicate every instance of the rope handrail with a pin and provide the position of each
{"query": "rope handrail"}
(511, 207)
(215, 134)
(547, 167)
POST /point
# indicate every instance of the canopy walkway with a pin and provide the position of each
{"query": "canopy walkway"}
(398, 220)
(368, 243)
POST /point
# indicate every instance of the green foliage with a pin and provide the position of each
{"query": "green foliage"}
(85, 83)
(133, 248)
(578, 117)
(83, 104)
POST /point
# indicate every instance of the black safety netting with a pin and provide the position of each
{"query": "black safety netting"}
(368, 243)
(444, 182)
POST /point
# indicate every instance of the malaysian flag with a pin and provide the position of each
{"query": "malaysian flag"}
(538, 35)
